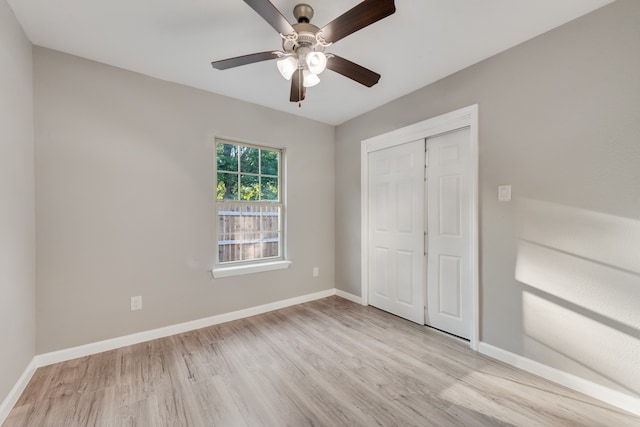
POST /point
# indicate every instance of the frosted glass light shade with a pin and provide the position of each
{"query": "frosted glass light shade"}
(316, 62)
(310, 79)
(287, 66)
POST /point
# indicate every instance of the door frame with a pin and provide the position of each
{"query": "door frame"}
(464, 117)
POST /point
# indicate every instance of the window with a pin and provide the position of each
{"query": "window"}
(249, 208)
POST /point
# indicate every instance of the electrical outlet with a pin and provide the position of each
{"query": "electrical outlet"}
(316, 271)
(136, 303)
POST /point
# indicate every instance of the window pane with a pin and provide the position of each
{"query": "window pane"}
(248, 232)
(249, 187)
(250, 221)
(252, 237)
(251, 251)
(249, 159)
(270, 221)
(227, 186)
(226, 224)
(269, 188)
(229, 226)
(227, 157)
(269, 162)
(271, 236)
(271, 249)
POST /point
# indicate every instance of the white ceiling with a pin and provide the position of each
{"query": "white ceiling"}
(175, 40)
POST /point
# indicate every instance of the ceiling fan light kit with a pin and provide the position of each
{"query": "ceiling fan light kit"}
(309, 79)
(287, 66)
(316, 62)
(302, 57)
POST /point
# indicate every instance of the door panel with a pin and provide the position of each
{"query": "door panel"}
(449, 228)
(405, 262)
(381, 272)
(449, 199)
(449, 286)
(381, 219)
(396, 245)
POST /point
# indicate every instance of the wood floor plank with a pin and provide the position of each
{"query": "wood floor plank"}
(218, 407)
(141, 413)
(325, 363)
(38, 385)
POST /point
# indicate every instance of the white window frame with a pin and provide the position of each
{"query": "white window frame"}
(235, 268)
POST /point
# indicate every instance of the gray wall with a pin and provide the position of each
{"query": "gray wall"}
(17, 222)
(560, 121)
(125, 188)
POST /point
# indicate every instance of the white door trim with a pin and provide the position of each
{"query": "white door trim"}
(463, 117)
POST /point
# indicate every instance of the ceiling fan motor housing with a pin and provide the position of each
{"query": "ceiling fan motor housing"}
(305, 39)
(306, 36)
(303, 12)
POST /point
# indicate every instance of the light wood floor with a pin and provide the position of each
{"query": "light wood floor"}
(325, 363)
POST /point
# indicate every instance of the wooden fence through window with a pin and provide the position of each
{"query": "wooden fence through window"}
(248, 232)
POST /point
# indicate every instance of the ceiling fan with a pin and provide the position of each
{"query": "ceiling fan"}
(302, 56)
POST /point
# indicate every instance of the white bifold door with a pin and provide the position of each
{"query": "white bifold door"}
(448, 232)
(419, 231)
(396, 224)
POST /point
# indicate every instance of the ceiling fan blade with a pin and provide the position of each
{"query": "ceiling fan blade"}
(298, 92)
(244, 60)
(272, 15)
(353, 71)
(365, 13)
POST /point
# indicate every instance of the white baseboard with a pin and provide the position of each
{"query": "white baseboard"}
(350, 297)
(111, 344)
(600, 392)
(7, 404)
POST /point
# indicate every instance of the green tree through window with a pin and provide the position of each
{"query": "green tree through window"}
(246, 173)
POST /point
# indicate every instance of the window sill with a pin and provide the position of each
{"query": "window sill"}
(239, 270)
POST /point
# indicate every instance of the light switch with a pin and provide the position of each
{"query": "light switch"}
(504, 193)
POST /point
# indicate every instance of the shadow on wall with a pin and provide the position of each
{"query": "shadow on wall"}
(581, 294)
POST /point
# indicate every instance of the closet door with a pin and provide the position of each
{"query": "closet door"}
(396, 230)
(449, 267)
